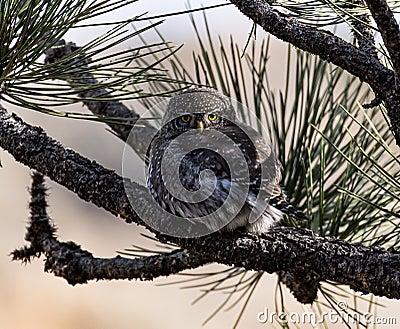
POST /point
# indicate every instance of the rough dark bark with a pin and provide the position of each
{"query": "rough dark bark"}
(318, 42)
(335, 50)
(87, 179)
(68, 260)
(303, 287)
(369, 270)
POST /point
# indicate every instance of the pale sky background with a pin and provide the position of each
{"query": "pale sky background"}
(32, 299)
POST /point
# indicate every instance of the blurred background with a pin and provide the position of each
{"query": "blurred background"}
(30, 298)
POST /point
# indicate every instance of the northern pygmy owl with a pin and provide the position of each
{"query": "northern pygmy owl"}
(203, 164)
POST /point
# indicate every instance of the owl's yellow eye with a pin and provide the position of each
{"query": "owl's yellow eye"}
(212, 117)
(186, 118)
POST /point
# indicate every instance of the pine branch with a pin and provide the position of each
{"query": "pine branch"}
(332, 49)
(68, 260)
(318, 42)
(87, 179)
(369, 270)
(92, 99)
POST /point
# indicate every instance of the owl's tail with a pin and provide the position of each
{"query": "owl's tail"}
(280, 202)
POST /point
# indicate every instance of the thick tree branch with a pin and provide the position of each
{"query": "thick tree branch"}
(369, 270)
(68, 260)
(87, 179)
(332, 49)
(318, 42)
(389, 29)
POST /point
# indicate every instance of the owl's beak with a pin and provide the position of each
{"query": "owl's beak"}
(200, 126)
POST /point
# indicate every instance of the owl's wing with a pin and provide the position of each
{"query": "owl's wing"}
(277, 198)
(276, 186)
(263, 167)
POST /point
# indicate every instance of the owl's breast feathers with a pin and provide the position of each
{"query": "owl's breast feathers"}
(259, 175)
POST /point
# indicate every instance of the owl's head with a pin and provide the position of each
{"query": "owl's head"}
(198, 108)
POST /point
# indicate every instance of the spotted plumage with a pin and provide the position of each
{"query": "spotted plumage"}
(202, 159)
